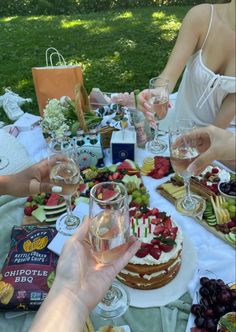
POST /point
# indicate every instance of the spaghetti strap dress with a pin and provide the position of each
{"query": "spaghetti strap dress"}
(201, 91)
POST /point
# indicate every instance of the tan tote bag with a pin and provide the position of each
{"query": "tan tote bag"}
(55, 81)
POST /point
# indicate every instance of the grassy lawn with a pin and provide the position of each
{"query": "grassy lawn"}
(119, 50)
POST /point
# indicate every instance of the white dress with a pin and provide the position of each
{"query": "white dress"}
(201, 91)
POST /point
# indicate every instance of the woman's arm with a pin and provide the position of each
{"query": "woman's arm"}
(227, 112)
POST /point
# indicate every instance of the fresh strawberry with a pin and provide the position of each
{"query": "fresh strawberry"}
(165, 247)
(166, 232)
(28, 210)
(172, 235)
(208, 174)
(132, 213)
(155, 242)
(146, 245)
(168, 223)
(174, 229)
(159, 230)
(116, 175)
(142, 252)
(215, 170)
(154, 211)
(155, 252)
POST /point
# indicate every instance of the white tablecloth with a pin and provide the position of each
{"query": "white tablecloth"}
(213, 254)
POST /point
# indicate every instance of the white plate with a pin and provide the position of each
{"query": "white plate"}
(125, 327)
(173, 290)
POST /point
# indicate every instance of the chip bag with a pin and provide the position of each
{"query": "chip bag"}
(29, 269)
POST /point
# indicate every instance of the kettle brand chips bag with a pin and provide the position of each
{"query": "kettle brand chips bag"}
(29, 269)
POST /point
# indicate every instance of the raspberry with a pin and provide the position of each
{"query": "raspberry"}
(155, 252)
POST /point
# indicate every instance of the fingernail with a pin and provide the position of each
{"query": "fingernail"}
(56, 189)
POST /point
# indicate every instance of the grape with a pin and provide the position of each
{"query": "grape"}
(204, 292)
(210, 325)
(233, 294)
(233, 305)
(209, 312)
(200, 322)
(196, 309)
(220, 310)
(204, 281)
(224, 296)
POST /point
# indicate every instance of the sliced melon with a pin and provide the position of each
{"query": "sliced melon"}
(231, 237)
(39, 214)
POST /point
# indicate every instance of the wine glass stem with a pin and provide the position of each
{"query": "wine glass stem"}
(156, 140)
(188, 200)
(68, 207)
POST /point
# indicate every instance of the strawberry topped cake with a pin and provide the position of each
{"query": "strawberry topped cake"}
(158, 260)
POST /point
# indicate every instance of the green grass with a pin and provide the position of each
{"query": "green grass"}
(118, 50)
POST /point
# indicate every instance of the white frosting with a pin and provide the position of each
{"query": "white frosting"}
(153, 275)
(165, 256)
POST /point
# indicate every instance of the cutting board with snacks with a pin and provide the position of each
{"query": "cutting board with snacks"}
(219, 216)
(46, 208)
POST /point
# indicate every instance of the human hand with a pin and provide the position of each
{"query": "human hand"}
(81, 275)
(32, 180)
(212, 143)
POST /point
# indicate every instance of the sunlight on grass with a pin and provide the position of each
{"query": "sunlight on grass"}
(8, 19)
(40, 18)
(158, 15)
(70, 24)
(22, 83)
(125, 15)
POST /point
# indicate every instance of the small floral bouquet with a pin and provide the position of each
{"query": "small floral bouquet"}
(60, 116)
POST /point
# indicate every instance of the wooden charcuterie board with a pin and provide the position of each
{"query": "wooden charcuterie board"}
(200, 191)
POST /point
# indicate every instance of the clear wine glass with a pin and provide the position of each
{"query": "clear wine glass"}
(65, 173)
(4, 162)
(159, 100)
(181, 156)
(109, 230)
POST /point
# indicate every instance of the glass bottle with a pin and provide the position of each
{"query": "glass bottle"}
(140, 123)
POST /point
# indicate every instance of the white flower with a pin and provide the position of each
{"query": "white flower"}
(54, 121)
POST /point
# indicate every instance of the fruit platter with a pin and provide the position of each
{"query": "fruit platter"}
(45, 208)
(156, 167)
(126, 172)
(219, 216)
(216, 303)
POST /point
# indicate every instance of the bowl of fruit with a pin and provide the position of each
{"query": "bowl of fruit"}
(227, 189)
(215, 299)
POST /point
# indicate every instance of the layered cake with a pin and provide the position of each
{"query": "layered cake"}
(158, 260)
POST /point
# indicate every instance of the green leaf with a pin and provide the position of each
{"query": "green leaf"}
(164, 240)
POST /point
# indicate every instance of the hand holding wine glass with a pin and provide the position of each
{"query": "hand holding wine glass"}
(159, 100)
(109, 234)
(181, 156)
(65, 175)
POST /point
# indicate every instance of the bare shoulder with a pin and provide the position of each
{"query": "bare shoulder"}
(199, 14)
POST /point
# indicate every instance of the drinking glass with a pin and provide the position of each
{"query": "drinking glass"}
(181, 156)
(65, 173)
(159, 100)
(108, 232)
(4, 162)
